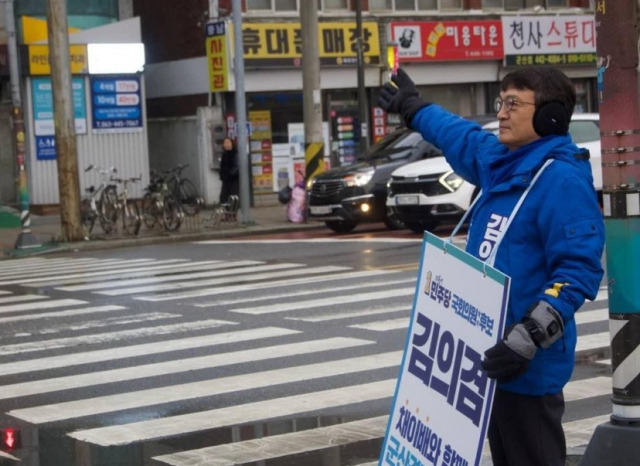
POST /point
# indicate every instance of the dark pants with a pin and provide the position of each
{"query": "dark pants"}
(229, 188)
(527, 430)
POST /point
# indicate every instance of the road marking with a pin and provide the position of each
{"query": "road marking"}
(128, 280)
(105, 275)
(334, 300)
(587, 388)
(176, 366)
(111, 336)
(384, 325)
(229, 276)
(145, 349)
(204, 388)
(80, 272)
(593, 341)
(277, 446)
(48, 266)
(289, 282)
(40, 305)
(361, 313)
(69, 313)
(260, 411)
(110, 321)
(318, 290)
(22, 297)
(588, 317)
(313, 240)
(579, 433)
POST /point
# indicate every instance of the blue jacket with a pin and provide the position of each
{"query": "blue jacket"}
(552, 251)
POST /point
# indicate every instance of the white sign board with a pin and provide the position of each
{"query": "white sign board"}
(440, 412)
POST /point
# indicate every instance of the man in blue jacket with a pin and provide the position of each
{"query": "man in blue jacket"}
(552, 249)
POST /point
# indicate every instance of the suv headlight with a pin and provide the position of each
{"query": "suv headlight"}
(358, 179)
(451, 181)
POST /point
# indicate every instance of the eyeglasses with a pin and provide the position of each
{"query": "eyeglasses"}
(509, 103)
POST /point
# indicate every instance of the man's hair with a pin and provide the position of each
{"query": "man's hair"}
(549, 85)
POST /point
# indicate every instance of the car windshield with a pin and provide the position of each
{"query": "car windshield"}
(584, 131)
(395, 146)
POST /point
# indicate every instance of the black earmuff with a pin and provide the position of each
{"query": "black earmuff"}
(551, 118)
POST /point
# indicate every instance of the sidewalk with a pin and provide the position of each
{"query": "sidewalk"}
(269, 218)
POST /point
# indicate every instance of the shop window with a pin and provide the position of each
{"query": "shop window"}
(335, 4)
(380, 4)
(523, 4)
(427, 4)
(286, 5)
(258, 5)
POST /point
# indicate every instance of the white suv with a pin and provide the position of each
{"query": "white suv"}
(423, 194)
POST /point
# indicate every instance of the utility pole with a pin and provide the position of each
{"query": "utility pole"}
(26, 239)
(363, 105)
(67, 154)
(311, 93)
(617, 442)
(241, 114)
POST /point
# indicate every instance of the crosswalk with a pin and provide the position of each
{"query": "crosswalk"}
(218, 361)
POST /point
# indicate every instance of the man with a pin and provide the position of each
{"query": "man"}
(551, 250)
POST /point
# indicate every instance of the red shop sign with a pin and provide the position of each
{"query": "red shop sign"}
(448, 40)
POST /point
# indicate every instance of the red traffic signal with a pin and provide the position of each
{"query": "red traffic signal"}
(11, 439)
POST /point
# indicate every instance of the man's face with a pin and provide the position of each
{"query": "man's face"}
(516, 124)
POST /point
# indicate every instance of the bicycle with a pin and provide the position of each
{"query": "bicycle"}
(128, 207)
(100, 203)
(184, 190)
(159, 206)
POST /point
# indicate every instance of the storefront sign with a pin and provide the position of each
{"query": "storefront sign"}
(549, 40)
(44, 128)
(280, 44)
(447, 40)
(217, 56)
(440, 412)
(261, 151)
(38, 59)
(117, 105)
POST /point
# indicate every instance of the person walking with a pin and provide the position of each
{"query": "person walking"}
(229, 173)
(551, 244)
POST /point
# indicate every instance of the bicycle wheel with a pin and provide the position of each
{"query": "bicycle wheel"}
(108, 211)
(150, 210)
(131, 218)
(172, 213)
(87, 216)
(189, 198)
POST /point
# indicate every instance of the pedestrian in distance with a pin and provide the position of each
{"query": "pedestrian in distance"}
(550, 244)
(229, 172)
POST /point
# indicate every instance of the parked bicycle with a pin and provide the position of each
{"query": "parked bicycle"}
(184, 190)
(127, 207)
(100, 203)
(160, 208)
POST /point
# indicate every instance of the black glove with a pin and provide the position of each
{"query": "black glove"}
(403, 98)
(510, 358)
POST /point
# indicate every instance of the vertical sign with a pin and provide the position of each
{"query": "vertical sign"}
(217, 56)
(443, 398)
(44, 129)
(117, 105)
(261, 151)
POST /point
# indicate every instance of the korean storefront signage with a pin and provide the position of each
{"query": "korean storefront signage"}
(217, 56)
(440, 412)
(261, 152)
(44, 129)
(38, 59)
(549, 40)
(280, 44)
(447, 40)
(117, 105)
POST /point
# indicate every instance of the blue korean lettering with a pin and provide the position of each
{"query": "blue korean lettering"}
(471, 400)
(452, 458)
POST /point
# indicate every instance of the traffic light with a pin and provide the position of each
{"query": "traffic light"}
(11, 439)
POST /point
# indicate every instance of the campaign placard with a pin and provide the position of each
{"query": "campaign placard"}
(440, 412)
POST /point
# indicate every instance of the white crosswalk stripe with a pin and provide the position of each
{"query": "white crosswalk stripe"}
(86, 373)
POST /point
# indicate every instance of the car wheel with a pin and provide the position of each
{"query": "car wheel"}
(421, 227)
(340, 226)
(391, 220)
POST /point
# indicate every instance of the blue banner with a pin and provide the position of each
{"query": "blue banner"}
(117, 104)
